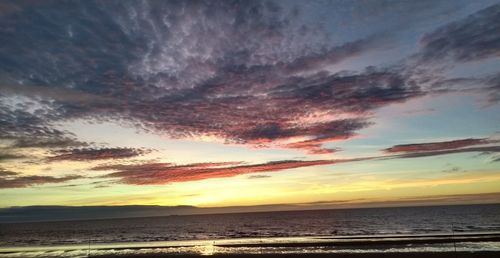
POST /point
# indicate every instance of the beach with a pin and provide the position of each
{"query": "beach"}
(482, 254)
(436, 245)
(413, 232)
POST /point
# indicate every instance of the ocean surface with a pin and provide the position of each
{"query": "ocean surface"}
(73, 238)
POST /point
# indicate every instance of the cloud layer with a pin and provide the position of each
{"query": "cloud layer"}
(438, 146)
(470, 39)
(417, 150)
(165, 173)
(9, 179)
(257, 73)
(245, 72)
(90, 154)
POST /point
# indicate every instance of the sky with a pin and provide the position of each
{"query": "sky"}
(249, 103)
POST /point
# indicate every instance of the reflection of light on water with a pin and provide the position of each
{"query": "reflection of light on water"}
(210, 248)
(207, 249)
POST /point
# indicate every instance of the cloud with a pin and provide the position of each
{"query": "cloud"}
(8, 156)
(48, 142)
(11, 179)
(437, 146)
(271, 116)
(244, 72)
(165, 173)
(25, 123)
(89, 154)
(489, 149)
(322, 132)
(423, 111)
(6, 173)
(26, 181)
(452, 170)
(314, 146)
(468, 42)
(258, 176)
(417, 150)
(469, 39)
(493, 89)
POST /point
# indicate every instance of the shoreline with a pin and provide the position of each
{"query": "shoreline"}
(308, 241)
(480, 254)
(471, 244)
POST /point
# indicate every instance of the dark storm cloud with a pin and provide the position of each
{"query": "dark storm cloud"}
(473, 38)
(27, 181)
(89, 154)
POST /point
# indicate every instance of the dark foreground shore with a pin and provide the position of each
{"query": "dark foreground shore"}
(480, 254)
(464, 245)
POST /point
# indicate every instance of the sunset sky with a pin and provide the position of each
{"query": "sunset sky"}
(241, 103)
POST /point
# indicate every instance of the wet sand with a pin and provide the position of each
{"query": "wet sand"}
(388, 246)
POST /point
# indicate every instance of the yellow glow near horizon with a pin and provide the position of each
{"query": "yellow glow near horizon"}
(230, 191)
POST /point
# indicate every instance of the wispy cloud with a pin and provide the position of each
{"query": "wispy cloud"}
(314, 146)
(450, 45)
(26, 181)
(454, 40)
(165, 173)
(258, 176)
(6, 173)
(8, 156)
(437, 146)
(428, 149)
(89, 154)
(488, 149)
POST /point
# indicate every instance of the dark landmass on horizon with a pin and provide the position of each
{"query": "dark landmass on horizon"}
(42, 213)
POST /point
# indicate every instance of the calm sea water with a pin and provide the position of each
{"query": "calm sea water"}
(373, 221)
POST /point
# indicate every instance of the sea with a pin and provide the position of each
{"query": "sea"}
(398, 229)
